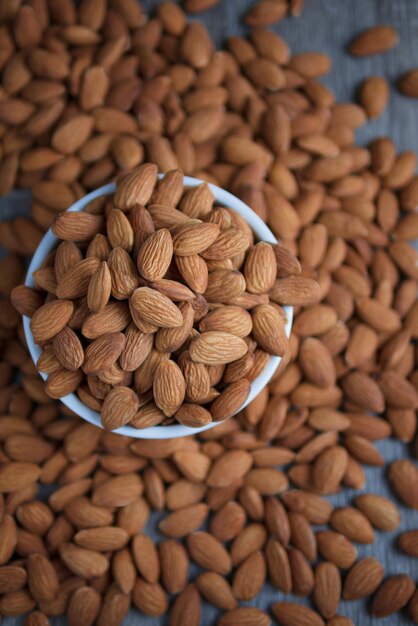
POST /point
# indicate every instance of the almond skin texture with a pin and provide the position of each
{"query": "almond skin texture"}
(169, 387)
(230, 400)
(403, 477)
(245, 616)
(68, 349)
(49, 319)
(217, 347)
(119, 408)
(290, 614)
(260, 268)
(375, 40)
(137, 188)
(83, 562)
(363, 579)
(155, 308)
(268, 329)
(155, 254)
(393, 595)
(209, 553)
(103, 352)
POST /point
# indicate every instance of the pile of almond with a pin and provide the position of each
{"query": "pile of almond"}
(159, 306)
(248, 501)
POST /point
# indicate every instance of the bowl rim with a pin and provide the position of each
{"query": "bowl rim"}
(49, 241)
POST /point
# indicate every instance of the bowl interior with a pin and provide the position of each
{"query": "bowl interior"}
(48, 243)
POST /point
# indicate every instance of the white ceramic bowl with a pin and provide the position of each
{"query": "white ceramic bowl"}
(48, 243)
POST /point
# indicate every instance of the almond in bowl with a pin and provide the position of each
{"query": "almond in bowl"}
(161, 308)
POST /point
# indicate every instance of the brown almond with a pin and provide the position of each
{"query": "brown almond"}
(184, 521)
(403, 476)
(244, 616)
(327, 589)
(380, 511)
(393, 595)
(42, 578)
(154, 308)
(136, 187)
(149, 598)
(336, 548)
(155, 254)
(290, 614)
(374, 40)
(209, 553)
(353, 524)
(83, 562)
(186, 607)
(174, 565)
(169, 387)
(50, 318)
(216, 590)
(363, 579)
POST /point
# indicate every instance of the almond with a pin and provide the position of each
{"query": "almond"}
(8, 536)
(103, 352)
(295, 290)
(393, 595)
(42, 578)
(68, 349)
(228, 521)
(249, 577)
(216, 590)
(316, 362)
(403, 477)
(229, 467)
(83, 562)
(16, 476)
(174, 565)
(269, 329)
(146, 559)
(184, 521)
(149, 598)
(408, 542)
(209, 553)
(50, 318)
(154, 256)
(380, 511)
(154, 308)
(75, 282)
(363, 579)
(186, 607)
(327, 590)
(118, 491)
(119, 230)
(290, 614)
(244, 616)
(169, 387)
(375, 40)
(77, 226)
(408, 83)
(336, 548)
(278, 566)
(136, 188)
(217, 347)
(119, 407)
(374, 95)
(192, 238)
(137, 347)
(230, 400)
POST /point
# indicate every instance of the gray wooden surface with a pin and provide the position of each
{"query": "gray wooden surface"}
(328, 25)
